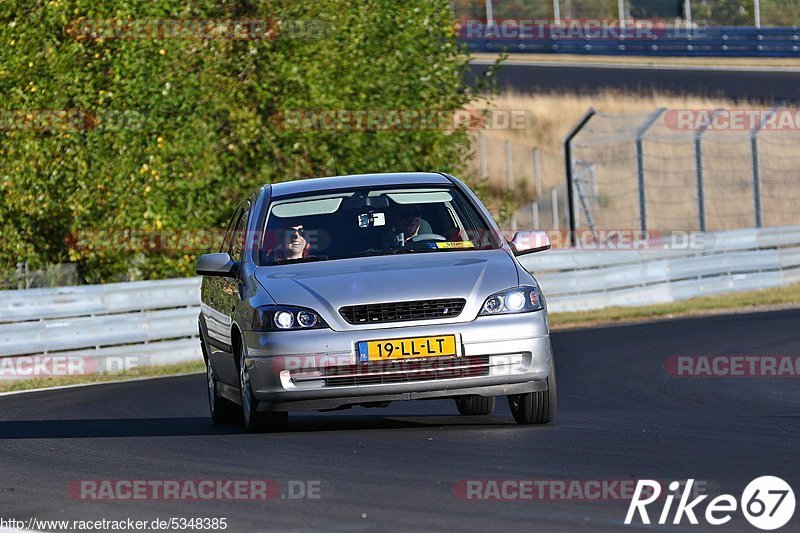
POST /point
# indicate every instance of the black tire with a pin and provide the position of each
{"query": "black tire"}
(475, 405)
(223, 411)
(536, 407)
(256, 421)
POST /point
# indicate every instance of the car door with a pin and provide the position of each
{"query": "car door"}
(229, 296)
(217, 325)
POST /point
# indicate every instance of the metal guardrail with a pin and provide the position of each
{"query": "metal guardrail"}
(157, 320)
(730, 261)
(153, 320)
(738, 41)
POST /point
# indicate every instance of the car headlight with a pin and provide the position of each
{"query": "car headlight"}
(517, 300)
(285, 317)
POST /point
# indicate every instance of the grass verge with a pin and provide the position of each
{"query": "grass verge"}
(141, 372)
(766, 299)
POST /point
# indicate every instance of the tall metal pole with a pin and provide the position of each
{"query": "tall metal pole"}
(554, 206)
(757, 9)
(557, 12)
(621, 11)
(687, 14)
(570, 171)
(537, 171)
(535, 214)
(640, 166)
(489, 14)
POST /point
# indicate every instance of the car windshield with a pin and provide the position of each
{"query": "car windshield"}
(375, 221)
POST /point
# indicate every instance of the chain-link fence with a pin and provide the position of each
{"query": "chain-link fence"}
(703, 170)
(23, 277)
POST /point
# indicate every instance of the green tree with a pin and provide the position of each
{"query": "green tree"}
(723, 12)
(176, 130)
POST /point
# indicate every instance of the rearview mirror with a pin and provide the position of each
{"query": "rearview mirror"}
(528, 242)
(219, 264)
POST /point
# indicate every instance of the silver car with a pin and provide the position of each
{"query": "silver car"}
(362, 290)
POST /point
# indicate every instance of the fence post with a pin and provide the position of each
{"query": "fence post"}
(535, 214)
(20, 275)
(510, 181)
(554, 206)
(698, 162)
(757, 169)
(482, 156)
(537, 171)
(640, 133)
(568, 165)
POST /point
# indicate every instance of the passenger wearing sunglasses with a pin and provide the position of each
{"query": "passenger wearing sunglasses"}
(291, 243)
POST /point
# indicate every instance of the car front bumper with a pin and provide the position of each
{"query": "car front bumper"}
(319, 369)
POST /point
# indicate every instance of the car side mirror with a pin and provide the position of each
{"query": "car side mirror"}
(219, 264)
(528, 242)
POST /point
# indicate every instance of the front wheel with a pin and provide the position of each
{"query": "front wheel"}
(255, 421)
(222, 410)
(536, 407)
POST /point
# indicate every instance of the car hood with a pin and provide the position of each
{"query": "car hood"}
(325, 286)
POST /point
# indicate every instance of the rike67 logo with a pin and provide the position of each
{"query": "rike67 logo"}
(767, 503)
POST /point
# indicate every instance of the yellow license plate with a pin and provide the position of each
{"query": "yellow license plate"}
(384, 350)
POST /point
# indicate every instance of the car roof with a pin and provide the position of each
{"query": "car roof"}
(288, 188)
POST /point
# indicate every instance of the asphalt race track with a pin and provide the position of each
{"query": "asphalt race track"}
(762, 85)
(620, 417)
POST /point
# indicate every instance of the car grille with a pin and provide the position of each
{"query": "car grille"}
(405, 371)
(402, 311)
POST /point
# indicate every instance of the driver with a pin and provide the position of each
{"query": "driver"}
(406, 219)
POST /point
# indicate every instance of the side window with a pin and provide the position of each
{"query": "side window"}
(239, 234)
(225, 246)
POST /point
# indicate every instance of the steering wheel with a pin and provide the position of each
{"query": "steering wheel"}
(427, 237)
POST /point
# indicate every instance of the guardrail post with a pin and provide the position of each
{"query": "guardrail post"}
(698, 161)
(640, 133)
(568, 162)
